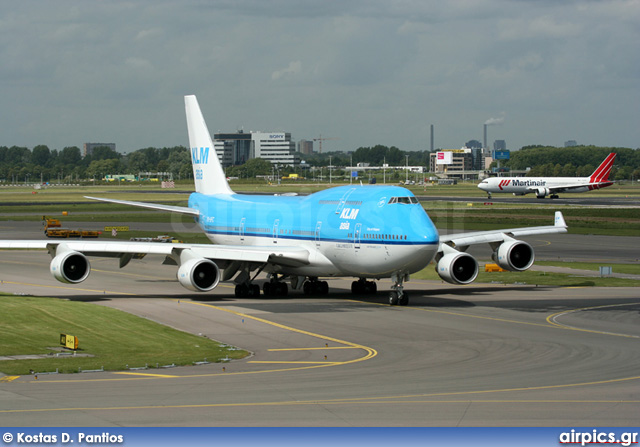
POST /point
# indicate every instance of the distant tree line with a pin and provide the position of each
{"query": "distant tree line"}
(578, 161)
(19, 164)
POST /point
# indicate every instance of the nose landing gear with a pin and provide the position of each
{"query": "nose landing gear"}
(398, 296)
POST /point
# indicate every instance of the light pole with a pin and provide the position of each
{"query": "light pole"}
(329, 169)
(384, 171)
(406, 168)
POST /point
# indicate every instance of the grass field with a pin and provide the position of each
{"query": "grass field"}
(114, 339)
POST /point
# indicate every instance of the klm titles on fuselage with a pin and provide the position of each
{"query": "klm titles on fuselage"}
(200, 155)
(349, 213)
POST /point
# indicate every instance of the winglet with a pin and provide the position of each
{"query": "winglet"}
(559, 220)
(208, 174)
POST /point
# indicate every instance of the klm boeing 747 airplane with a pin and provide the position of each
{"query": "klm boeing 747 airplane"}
(366, 232)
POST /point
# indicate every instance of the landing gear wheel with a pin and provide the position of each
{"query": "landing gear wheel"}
(315, 287)
(404, 300)
(276, 288)
(393, 298)
(247, 290)
(242, 291)
(371, 288)
(364, 287)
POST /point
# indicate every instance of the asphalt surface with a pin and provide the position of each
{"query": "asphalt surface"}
(480, 355)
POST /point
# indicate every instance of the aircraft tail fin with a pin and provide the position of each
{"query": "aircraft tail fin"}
(601, 174)
(208, 174)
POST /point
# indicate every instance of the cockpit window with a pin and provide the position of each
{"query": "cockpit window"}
(405, 200)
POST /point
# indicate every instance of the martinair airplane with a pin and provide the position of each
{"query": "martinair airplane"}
(550, 186)
(366, 232)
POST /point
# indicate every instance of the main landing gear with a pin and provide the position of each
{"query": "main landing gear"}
(398, 296)
(315, 287)
(364, 287)
(275, 287)
(245, 290)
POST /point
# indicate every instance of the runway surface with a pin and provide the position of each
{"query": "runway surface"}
(481, 355)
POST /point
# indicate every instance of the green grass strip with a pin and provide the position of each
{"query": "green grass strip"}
(115, 339)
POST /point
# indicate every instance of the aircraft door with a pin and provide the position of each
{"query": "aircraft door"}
(276, 225)
(356, 236)
(242, 221)
(343, 200)
(317, 235)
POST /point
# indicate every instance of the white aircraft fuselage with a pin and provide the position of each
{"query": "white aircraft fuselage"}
(550, 186)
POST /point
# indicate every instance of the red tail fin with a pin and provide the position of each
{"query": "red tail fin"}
(601, 174)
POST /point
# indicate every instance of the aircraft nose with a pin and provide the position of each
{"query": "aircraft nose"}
(482, 186)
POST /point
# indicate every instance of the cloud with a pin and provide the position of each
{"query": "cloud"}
(365, 71)
(294, 68)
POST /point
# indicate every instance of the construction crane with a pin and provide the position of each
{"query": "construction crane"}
(320, 139)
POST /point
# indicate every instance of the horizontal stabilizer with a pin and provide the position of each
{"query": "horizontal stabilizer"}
(153, 206)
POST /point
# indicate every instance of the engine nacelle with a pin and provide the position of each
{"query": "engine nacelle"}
(514, 255)
(542, 192)
(457, 267)
(199, 275)
(70, 267)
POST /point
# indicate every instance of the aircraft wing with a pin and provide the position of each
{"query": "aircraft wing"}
(463, 240)
(153, 206)
(286, 256)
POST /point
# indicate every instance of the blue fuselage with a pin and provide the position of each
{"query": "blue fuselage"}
(368, 231)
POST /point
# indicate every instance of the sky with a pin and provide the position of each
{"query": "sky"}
(358, 72)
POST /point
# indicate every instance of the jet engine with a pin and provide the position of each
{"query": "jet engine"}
(199, 274)
(542, 192)
(457, 267)
(514, 255)
(70, 267)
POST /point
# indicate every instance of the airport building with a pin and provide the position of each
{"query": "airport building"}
(240, 147)
(452, 162)
(305, 147)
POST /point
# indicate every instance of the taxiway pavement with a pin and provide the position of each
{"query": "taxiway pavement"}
(480, 355)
